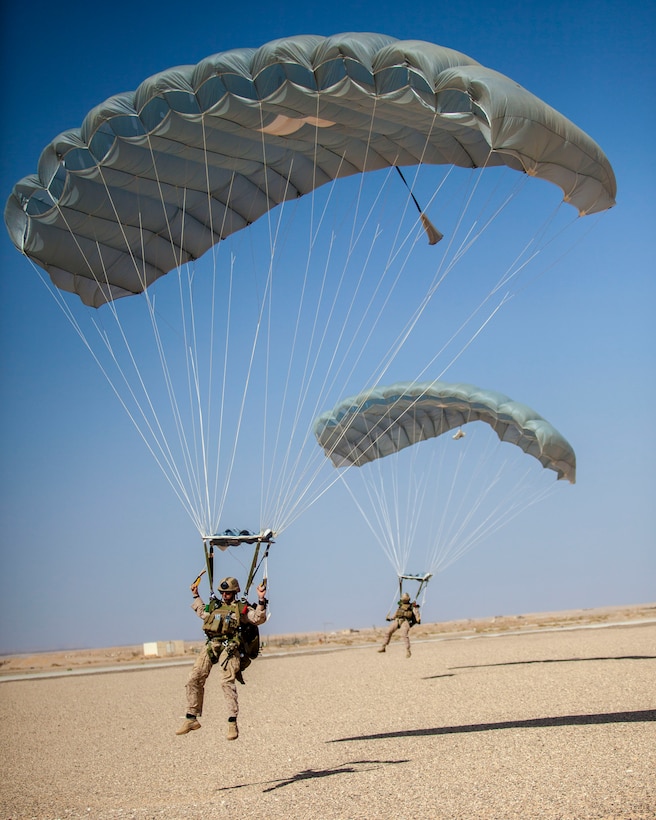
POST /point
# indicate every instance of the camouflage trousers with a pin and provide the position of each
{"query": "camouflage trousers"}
(404, 628)
(195, 687)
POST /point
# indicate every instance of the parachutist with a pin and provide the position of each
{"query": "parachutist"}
(405, 617)
(230, 626)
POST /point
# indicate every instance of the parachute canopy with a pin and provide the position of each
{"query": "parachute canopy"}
(155, 177)
(383, 421)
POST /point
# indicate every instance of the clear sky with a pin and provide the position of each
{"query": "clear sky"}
(96, 550)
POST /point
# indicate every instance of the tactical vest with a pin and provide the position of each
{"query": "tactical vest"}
(405, 612)
(222, 621)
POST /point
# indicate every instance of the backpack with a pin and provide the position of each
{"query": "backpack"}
(249, 640)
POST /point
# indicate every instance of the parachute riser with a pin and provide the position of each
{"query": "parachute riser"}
(255, 566)
(422, 579)
(209, 563)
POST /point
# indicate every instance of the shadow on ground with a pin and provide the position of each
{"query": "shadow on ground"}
(639, 716)
(351, 767)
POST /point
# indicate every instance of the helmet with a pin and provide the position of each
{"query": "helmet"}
(405, 598)
(229, 585)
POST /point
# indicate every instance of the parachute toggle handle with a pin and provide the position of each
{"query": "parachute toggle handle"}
(198, 577)
(432, 233)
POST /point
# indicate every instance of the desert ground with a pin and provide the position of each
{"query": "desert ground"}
(541, 716)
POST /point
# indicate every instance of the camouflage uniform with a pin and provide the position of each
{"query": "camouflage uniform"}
(228, 661)
(405, 616)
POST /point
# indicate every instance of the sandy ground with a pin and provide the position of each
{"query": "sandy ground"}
(529, 723)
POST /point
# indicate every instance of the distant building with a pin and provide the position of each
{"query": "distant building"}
(162, 649)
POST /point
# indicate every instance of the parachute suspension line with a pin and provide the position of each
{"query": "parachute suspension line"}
(459, 543)
(308, 373)
(201, 419)
(269, 462)
(398, 543)
(354, 240)
(376, 530)
(387, 500)
(249, 372)
(218, 510)
(488, 318)
(494, 310)
(264, 307)
(405, 333)
(273, 503)
(517, 497)
(352, 245)
(442, 546)
(159, 438)
(57, 296)
(215, 509)
(212, 517)
(444, 269)
(200, 425)
(265, 301)
(162, 440)
(403, 336)
(290, 490)
(318, 460)
(188, 458)
(282, 489)
(388, 528)
(277, 487)
(224, 381)
(395, 252)
(524, 256)
(577, 241)
(416, 501)
(195, 490)
(365, 313)
(361, 181)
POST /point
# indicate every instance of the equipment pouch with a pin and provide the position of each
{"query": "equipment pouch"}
(213, 653)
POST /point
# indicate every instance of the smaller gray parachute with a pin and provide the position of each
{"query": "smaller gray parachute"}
(385, 420)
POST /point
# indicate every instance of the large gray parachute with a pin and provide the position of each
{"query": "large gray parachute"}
(383, 421)
(155, 177)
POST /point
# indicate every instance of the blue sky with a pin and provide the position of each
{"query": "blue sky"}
(95, 548)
